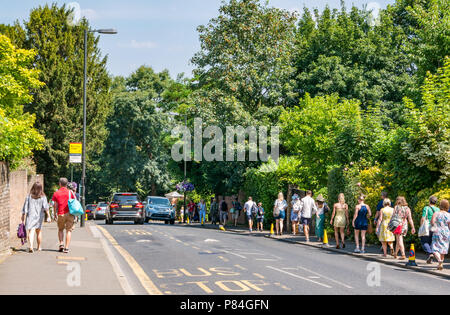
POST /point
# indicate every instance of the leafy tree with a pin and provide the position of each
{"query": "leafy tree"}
(136, 153)
(58, 105)
(427, 139)
(246, 52)
(325, 131)
(340, 51)
(426, 23)
(18, 137)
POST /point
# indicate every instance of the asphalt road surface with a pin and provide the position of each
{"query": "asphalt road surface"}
(198, 261)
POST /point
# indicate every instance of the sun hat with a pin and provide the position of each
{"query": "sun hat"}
(320, 198)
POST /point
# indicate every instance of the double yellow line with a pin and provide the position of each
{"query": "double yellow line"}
(148, 284)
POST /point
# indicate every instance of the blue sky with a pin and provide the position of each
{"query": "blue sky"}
(158, 33)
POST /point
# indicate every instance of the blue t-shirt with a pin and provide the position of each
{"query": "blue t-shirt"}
(380, 205)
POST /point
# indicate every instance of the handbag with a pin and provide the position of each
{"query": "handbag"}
(75, 207)
(424, 229)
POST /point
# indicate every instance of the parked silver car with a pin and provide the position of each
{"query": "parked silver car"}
(99, 212)
(159, 208)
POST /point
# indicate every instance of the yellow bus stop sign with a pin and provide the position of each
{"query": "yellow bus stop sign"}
(75, 148)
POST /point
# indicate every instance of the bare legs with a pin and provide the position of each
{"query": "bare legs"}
(337, 231)
(399, 246)
(279, 226)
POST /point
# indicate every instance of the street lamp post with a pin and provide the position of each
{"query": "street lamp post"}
(83, 174)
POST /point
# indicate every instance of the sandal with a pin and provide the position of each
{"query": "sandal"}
(61, 248)
(440, 266)
(402, 258)
(430, 259)
(66, 250)
(30, 250)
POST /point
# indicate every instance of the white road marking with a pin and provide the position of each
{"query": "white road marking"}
(325, 277)
(210, 240)
(228, 252)
(299, 277)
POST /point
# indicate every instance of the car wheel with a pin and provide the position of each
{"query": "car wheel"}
(166, 222)
(172, 222)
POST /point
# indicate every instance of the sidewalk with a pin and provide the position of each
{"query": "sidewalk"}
(373, 252)
(51, 272)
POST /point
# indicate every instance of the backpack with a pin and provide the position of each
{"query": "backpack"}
(254, 209)
(276, 211)
(395, 222)
(223, 206)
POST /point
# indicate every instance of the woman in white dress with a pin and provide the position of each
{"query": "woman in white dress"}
(33, 213)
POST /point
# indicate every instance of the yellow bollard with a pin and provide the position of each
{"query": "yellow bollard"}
(221, 227)
(187, 220)
(85, 218)
(325, 238)
(412, 256)
(271, 230)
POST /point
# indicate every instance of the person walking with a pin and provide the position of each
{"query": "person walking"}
(403, 214)
(260, 217)
(237, 207)
(441, 236)
(340, 220)
(214, 210)
(295, 214)
(191, 209)
(63, 217)
(202, 211)
(385, 236)
(279, 212)
(307, 209)
(33, 212)
(322, 209)
(380, 206)
(249, 209)
(361, 223)
(223, 212)
(427, 215)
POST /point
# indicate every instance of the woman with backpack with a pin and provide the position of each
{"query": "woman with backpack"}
(361, 223)
(33, 212)
(279, 213)
(399, 225)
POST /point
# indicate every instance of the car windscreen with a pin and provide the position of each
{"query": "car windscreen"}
(158, 201)
(90, 207)
(125, 198)
(102, 204)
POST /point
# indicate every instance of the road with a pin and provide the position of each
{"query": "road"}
(176, 259)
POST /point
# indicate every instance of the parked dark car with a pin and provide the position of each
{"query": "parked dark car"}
(125, 207)
(159, 208)
(90, 209)
(100, 211)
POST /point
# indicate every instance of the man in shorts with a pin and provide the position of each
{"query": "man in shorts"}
(248, 207)
(62, 215)
(307, 209)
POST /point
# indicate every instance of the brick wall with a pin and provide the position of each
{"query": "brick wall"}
(14, 187)
(4, 208)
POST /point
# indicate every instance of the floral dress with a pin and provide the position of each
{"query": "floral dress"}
(441, 236)
(403, 212)
(386, 235)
